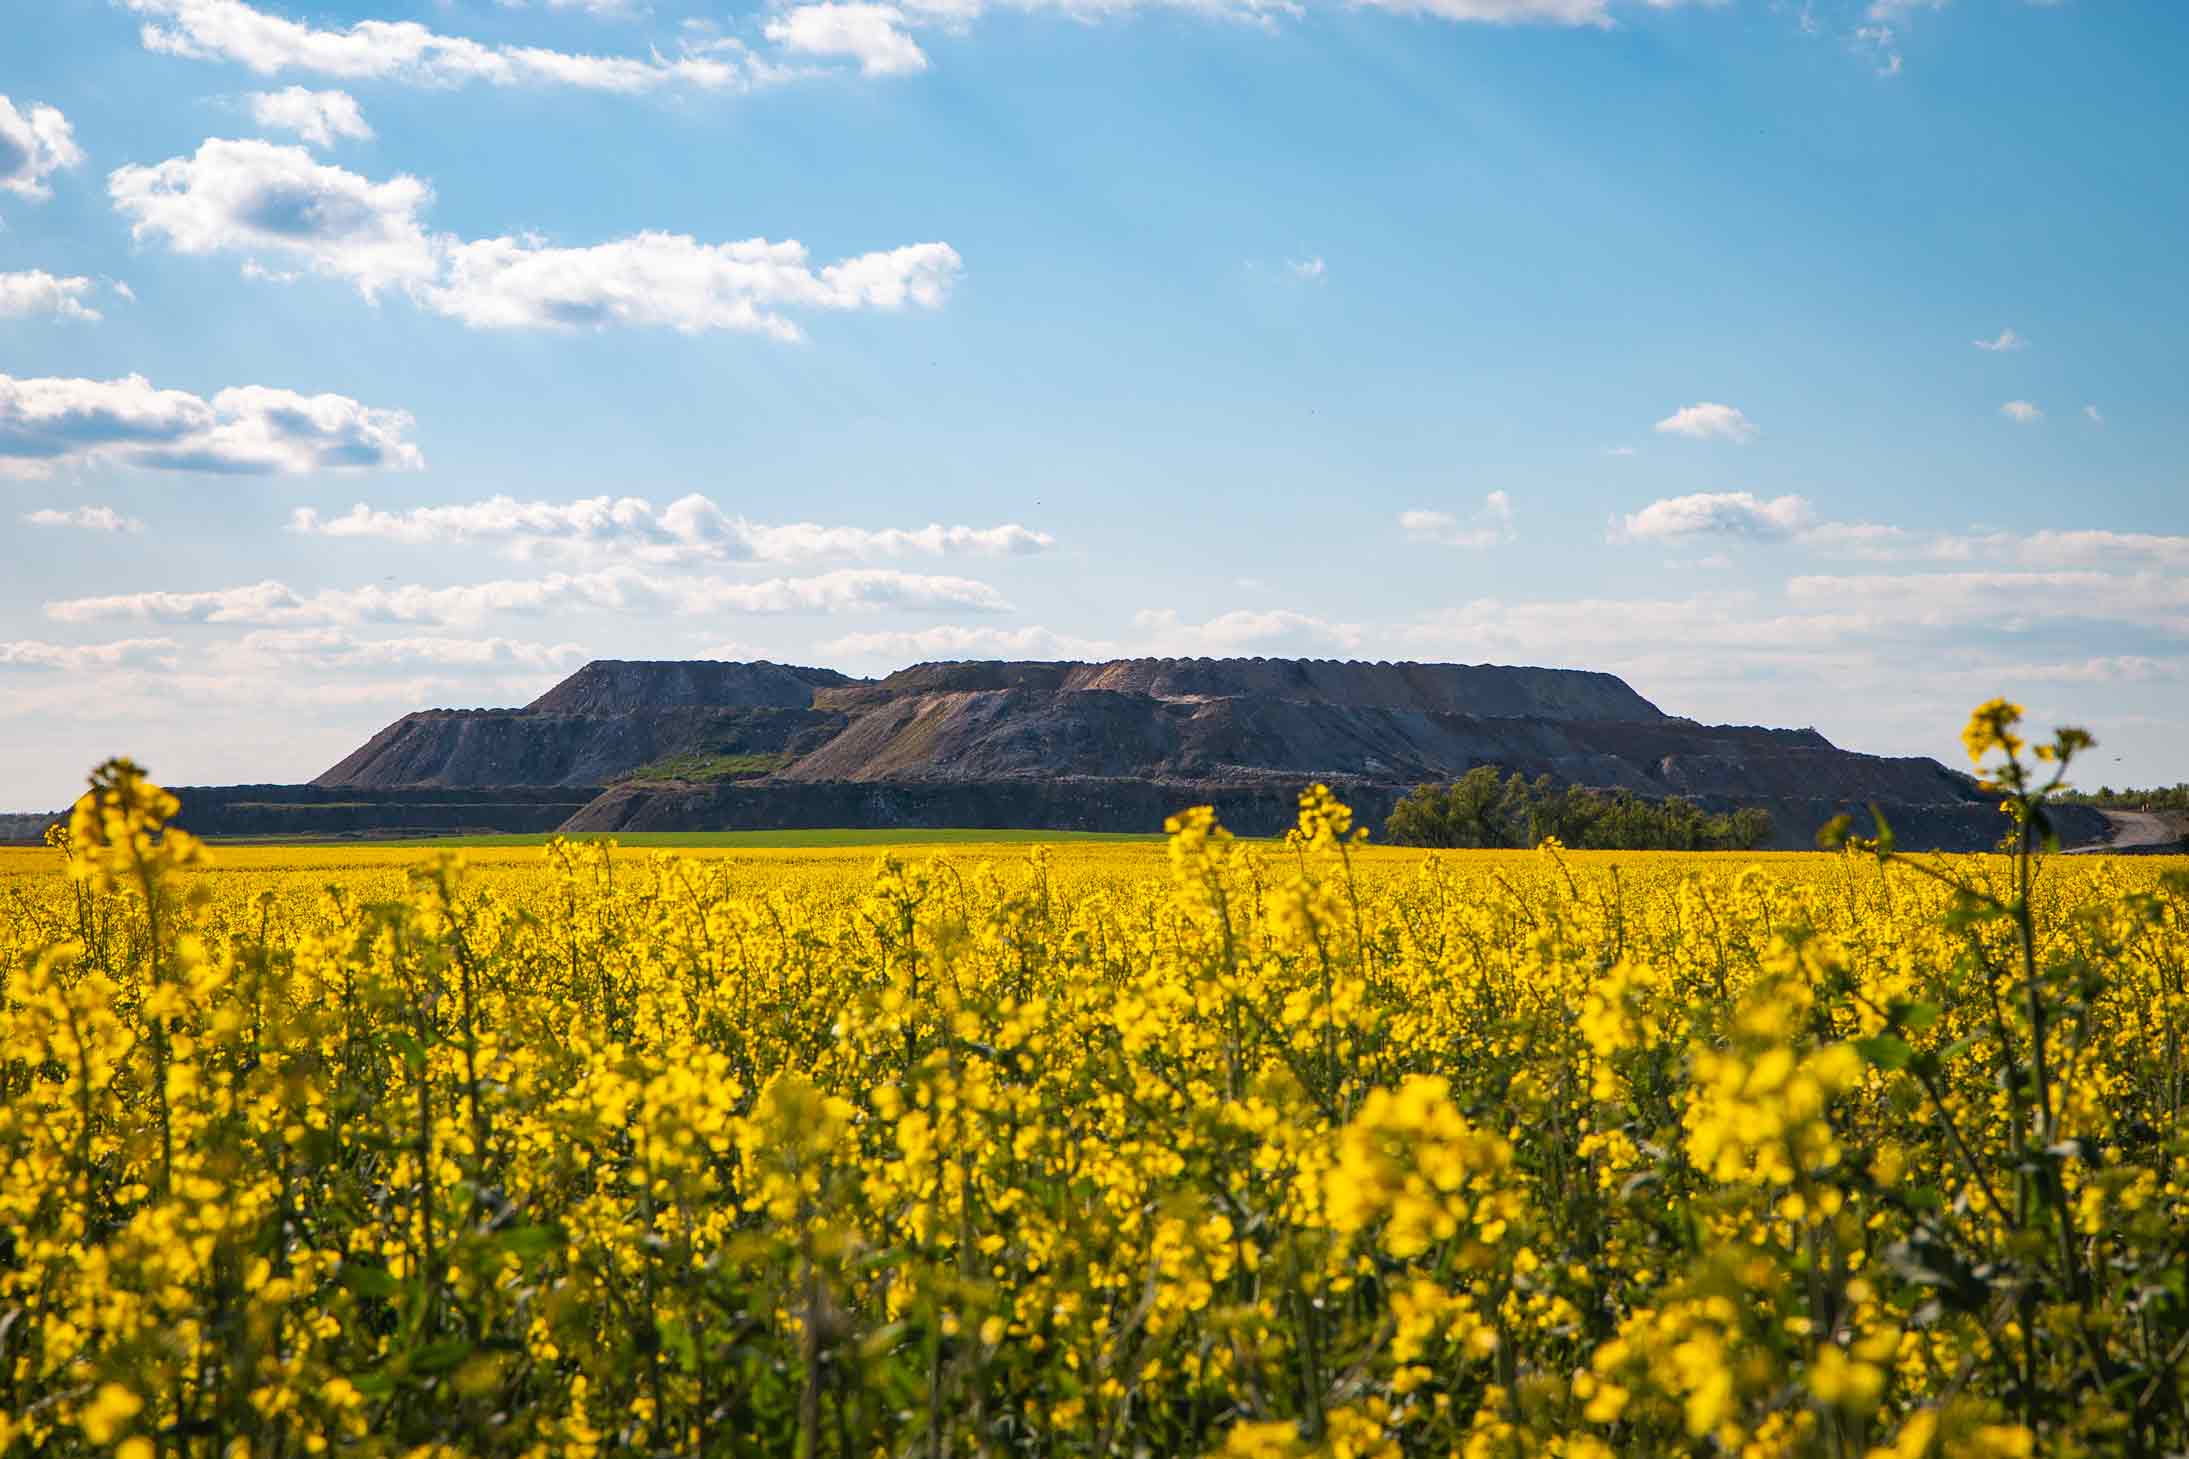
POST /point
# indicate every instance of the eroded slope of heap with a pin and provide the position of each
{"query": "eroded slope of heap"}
(1115, 746)
(608, 719)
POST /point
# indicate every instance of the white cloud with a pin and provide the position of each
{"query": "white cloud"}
(1872, 540)
(34, 144)
(872, 35)
(692, 528)
(2021, 412)
(34, 291)
(319, 117)
(2098, 545)
(2006, 339)
(256, 197)
(1718, 513)
(671, 280)
(383, 50)
(1307, 270)
(1489, 527)
(275, 604)
(88, 519)
(1883, 46)
(1618, 450)
(245, 429)
(24, 653)
(1708, 421)
(2092, 414)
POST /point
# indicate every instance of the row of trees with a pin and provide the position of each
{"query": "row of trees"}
(1481, 809)
(2163, 798)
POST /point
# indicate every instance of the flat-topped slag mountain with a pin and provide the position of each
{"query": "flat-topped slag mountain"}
(1109, 746)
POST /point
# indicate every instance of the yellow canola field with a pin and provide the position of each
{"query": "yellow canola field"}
(1281, 1149)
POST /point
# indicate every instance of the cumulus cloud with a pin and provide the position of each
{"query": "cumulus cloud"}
(872, 35)
(252, 196)
(383, 50)
(25, 653)
(1490, 526)
(246, 429)
(674, 281)
(88, 519)
(1708, 421)
(260, 198)
(319, 117)
(34, 291)
(2092, 414)
(274, 604)
(692, 528)
(34, 144)
(1718, 513)
(2006, 339)
(2021, 412)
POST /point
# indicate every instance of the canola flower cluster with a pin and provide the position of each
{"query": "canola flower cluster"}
(1283, 1150)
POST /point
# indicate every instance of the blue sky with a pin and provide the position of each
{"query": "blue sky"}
(1803, 363)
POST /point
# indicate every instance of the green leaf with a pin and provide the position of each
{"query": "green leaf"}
(1957, 1048)
(1916, 1015)
(370, 1281)
(529, 1240)
(1886, 1051)
(676, 1341)
(881, 1340)
(1882, 843)
(441, 1355)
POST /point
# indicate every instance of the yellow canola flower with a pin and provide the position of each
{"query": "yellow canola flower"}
(110, 1408)
(1309, 1148)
